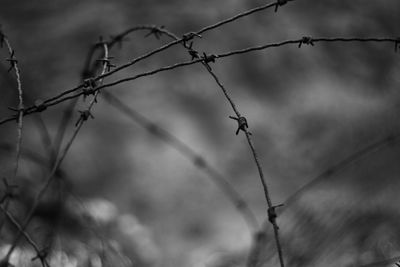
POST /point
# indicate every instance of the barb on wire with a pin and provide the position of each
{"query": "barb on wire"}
(9, 191)
(189, 153)
(272, 214)
(87, 87)
(193, 53)
(39, 105)
(156, 31)
(107, 62)
(12, 60)
(41, 256)
(242, 123)
(307, 40)
(2, 36)
(280, 3)
(397, 44)
(85, 115)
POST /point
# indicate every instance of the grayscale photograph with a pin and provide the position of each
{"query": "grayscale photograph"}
(150, 133)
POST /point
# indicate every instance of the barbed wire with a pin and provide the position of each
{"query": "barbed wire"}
(242, 126)
(333, 170)
(36, 158)
(39, 252)
(92, 85)
(20, 108)
(55, 100)
(205, 59)
(185, 38)
(85, 115)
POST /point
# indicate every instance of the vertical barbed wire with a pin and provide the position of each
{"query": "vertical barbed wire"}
(20, 108)
(242, 126)
(39, 252)
(341, 165)
(9, 188)
(85, 115)
(42, 162)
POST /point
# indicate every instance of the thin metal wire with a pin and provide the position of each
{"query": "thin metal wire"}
(56, 166)
(59, 98)
(20, 110)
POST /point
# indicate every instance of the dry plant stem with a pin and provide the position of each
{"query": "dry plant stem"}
(60, 97)
(194, 157)
(57, 164)
(14, 65)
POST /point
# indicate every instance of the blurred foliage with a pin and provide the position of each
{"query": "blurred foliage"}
(125, 198)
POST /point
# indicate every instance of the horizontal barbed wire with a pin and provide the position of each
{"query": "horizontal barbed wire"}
(304, 40)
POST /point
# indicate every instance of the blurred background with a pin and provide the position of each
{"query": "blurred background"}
(125, 197)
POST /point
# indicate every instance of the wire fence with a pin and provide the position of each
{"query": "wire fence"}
(93, 85)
